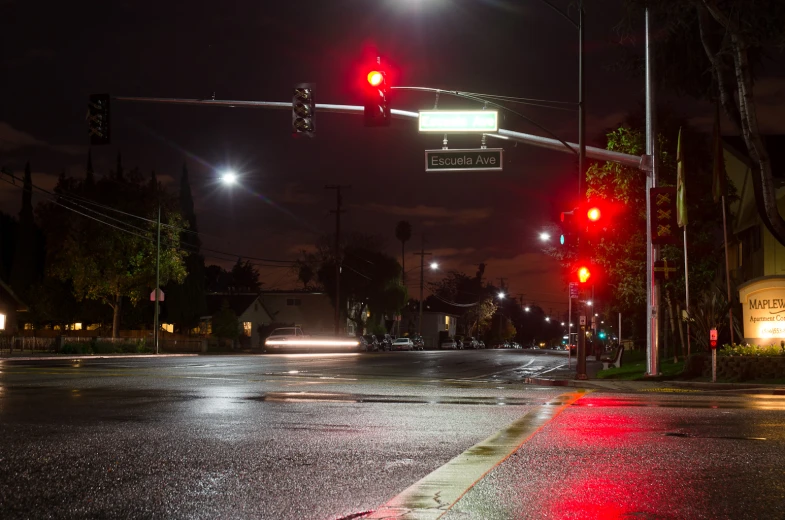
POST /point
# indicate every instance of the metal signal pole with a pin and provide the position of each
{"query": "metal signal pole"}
(652, 251)
(422, 255)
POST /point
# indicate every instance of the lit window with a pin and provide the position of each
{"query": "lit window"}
(293, 302)
(168, 327)
(28, 326)
(76, 326)
(446, 323)
(2, 321)
(247, 328)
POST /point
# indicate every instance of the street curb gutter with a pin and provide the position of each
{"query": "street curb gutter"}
(437, 492)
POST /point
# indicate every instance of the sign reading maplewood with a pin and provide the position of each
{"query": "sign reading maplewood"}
(459, 121)
(463, 160)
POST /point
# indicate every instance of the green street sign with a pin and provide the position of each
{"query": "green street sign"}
(442, 121)
(463, 160)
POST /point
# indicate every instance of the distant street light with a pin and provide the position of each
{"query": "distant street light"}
(547, 318)
(562, 324)
(434, 265)
(501, 295)
(588, 303)
(527, 309)
(545, 236)
(229, 177)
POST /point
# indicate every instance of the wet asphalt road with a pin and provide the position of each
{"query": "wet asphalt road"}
(329, 435)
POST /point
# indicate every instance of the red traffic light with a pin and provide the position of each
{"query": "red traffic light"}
(593, 214)
(375, 78)
(584, 274)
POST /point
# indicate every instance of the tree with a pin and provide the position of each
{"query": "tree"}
(107, 258)
(370, 278)
(23, 271)
(225, 323)
(727, 38)
(186, 303)
(403, 232)
(245, 278)
(620, 251)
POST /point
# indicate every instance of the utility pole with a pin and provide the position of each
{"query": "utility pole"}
(337, 211)
(157, 280)
(422, 254)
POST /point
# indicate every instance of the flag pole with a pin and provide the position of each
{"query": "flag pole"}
(687, 288)
(727, 269)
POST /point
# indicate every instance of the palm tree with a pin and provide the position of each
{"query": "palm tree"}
(403, 232)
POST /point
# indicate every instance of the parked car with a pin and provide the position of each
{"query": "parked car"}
(501, 344)
(480, 344)
(372, 342)
(419, 342)
(515, 344)
(458, 344)
(402, 344)
(385, 341)
(448, 343)
(470, 342)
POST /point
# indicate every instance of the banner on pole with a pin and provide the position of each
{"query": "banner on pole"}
(663, 216)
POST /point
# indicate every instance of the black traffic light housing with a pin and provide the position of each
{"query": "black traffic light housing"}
(377, 99)
(303, 111)
(98, 119)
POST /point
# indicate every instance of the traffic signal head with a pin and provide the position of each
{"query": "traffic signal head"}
(584, 273)
(303, 111)
(593, 214)
(98, 122)
(377, 99)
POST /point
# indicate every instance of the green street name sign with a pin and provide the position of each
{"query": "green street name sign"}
(463, 160)
(459, 121)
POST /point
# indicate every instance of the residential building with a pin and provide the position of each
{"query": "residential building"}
(754, 252)
(10, 306)
(311, 311)
(250, 312)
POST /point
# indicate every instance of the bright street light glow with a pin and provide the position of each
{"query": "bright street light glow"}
(588, 303)
(547, 318)
(229, 177)
(545, 237)
(434, 265)
(562, 324)
(527, 309)
(501, 295)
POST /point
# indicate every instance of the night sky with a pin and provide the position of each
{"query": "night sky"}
(56, 53)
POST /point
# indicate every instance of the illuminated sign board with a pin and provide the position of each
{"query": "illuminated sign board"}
(464, 121)
(480, 159)
(763, 308)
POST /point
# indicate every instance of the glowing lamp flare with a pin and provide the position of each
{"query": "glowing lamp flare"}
(375, 78)
(594, 214)
(584, 274)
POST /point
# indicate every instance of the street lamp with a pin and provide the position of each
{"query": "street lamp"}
(434, 265)
(501, 295)
(229, 177)
(544, 236)
(527, 309)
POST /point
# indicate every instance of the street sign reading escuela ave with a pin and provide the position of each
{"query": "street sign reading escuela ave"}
(463, 160)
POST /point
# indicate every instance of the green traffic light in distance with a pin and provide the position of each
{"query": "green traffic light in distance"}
(561, 239)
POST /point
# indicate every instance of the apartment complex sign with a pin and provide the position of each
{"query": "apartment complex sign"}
(763, 306)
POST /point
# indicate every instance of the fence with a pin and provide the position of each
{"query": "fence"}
(97, 345)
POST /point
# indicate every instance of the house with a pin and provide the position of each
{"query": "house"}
(312, 311)
(10, 306)
(250, 313)
(438, 321)
(754, 252)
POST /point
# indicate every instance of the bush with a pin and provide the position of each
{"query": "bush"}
(751, 350)
(75, 347)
